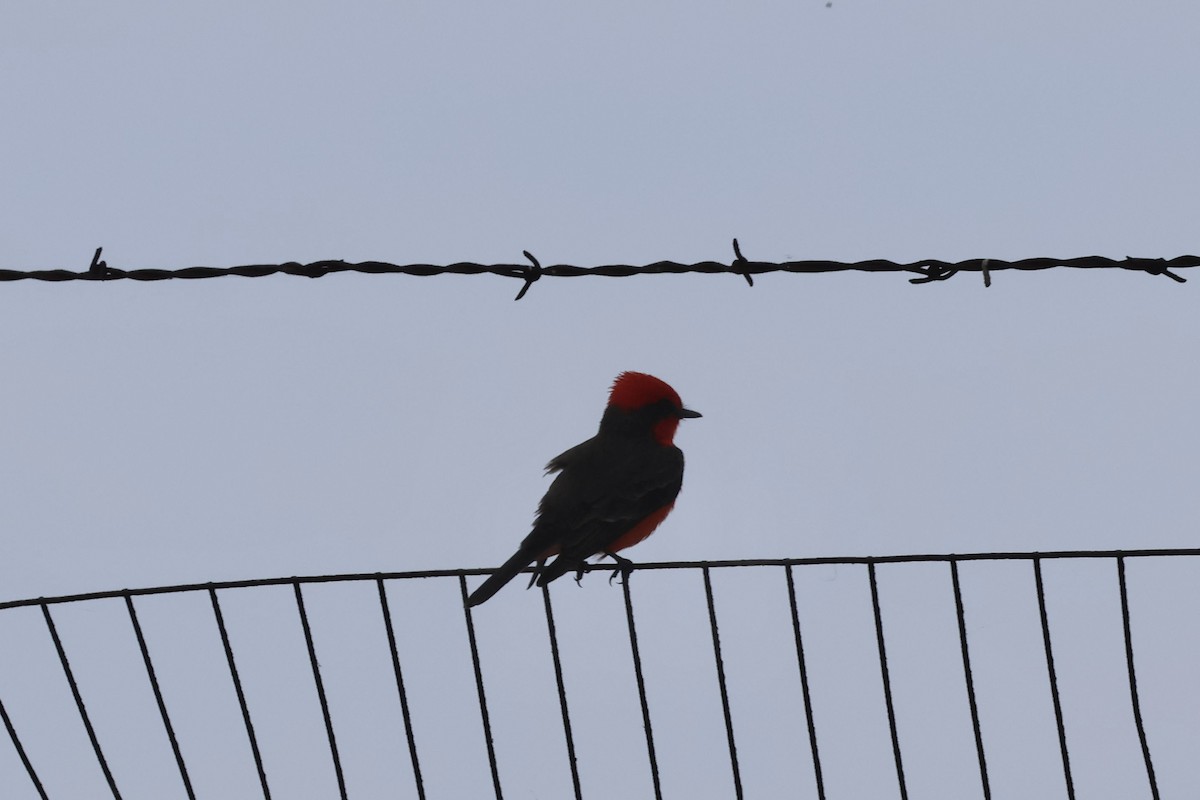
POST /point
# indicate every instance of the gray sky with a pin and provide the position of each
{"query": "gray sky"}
(236, 428)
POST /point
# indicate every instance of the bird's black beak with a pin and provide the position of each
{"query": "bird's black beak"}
(687, 413)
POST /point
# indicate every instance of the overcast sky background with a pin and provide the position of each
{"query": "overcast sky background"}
(187, 431)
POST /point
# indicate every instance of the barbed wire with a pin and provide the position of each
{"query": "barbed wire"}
(927, 270)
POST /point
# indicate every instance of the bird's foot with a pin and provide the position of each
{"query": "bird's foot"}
(537, 572)
(579, 573)
(624, 568)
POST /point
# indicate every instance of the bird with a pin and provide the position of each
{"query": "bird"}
(610, 492)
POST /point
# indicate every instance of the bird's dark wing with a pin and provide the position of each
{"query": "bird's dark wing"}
(580, 452)
(605, 488)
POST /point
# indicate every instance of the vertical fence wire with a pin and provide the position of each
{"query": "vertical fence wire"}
(1133, 690)
(641, 687)
(562, 692)
(12, 733)
(83, 714)
(970, 680)
(808, 709)
(241, 695)
(316, 671)
(483, 708)
(404, 712)
(1058, 714)
(716, 639)
(158, 698)
(887, 683)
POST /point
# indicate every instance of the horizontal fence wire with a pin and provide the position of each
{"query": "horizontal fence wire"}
(926, 270)
(640, 567)
(30, 754)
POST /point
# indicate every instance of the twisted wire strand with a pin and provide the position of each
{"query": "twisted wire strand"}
(926, 270)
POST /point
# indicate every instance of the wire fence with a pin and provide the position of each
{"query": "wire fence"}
(783, 579)
(926, 270)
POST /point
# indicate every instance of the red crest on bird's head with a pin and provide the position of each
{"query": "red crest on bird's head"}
(633, 390)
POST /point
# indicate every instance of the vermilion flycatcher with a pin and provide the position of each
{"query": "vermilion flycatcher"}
(611, 492)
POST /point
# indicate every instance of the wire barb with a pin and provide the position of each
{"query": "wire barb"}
(531, 274)
(741, 265)
(935, 271)
(98, 268)
(1155, 266)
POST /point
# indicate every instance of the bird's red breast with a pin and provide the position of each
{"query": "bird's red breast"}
(641, 530)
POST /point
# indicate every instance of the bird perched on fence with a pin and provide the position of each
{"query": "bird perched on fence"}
(611, 492)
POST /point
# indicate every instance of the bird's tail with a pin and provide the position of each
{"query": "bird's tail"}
(505, 573)
(556, 569)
